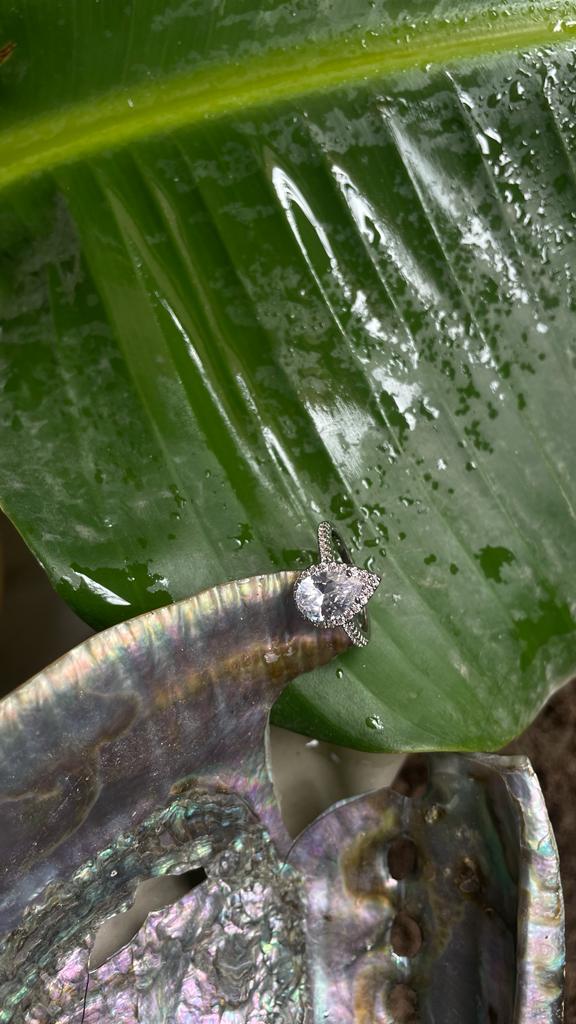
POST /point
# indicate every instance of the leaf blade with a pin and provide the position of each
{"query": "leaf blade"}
(348, 307)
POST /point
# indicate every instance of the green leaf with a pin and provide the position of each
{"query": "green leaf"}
(266, 264)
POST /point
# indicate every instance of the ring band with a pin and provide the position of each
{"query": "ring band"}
(334, 591)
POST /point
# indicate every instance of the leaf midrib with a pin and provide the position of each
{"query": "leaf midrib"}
(217, 90)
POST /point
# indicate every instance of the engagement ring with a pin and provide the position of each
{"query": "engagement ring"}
(335, 592)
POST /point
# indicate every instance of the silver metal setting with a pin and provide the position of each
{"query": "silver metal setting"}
(333, 554)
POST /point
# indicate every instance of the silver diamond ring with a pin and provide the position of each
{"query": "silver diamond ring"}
(335, 592)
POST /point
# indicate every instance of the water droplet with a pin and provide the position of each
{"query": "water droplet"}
(244, 535)
(339, 673)
(374, 722)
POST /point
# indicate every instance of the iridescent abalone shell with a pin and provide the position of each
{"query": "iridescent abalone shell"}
(479, 912)
(143, 752)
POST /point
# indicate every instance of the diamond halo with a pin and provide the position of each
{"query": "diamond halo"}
(335, 593)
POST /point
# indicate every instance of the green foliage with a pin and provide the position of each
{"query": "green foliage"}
(272, 263)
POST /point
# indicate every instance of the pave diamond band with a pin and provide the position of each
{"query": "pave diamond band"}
(334, 591)
(331, 545)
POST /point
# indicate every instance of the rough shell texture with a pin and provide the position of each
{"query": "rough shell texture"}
(143, 752)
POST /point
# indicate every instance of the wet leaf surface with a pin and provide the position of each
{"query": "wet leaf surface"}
(275, 266)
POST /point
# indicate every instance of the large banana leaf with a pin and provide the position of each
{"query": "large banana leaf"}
(266, 263)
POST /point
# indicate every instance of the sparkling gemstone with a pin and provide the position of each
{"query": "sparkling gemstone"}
(332, 591)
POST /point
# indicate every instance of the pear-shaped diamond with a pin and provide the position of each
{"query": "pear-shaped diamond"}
(332, 592)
